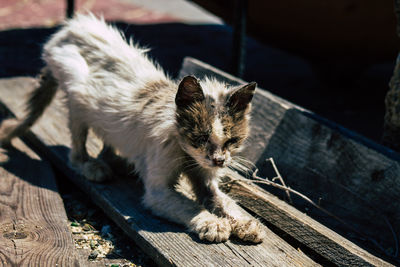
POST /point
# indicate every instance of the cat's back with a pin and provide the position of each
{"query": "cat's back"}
(86, 47)
(89, 32)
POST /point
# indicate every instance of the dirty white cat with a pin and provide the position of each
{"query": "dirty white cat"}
(166, 129)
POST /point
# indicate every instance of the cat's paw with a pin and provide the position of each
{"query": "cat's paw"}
(213, 229)
(249, 230)
(96, 170)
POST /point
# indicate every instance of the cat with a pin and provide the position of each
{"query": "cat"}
(167, 129)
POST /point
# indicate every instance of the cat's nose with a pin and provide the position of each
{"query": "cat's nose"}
(219, 161)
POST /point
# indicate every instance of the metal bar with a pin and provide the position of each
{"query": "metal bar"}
(239, 38)
(70, 8)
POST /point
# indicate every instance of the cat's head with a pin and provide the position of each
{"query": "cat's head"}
(212, 120)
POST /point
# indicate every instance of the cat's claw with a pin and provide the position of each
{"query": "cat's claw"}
(249, 230)
(214, 230)
(96, 171)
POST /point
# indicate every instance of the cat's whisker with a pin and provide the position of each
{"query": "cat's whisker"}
(244, 162)
(243, 159)
(242, 165)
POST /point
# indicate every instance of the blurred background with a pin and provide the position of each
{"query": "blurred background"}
(332, 57)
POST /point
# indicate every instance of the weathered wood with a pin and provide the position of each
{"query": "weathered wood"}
(335, 167)
(33, 222)
(167, 243)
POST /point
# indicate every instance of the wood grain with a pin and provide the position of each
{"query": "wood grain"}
(168, 244)
(348, 175)
(33, 222)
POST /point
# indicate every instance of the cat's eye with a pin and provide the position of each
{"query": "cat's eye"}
(202, 139)
(231, 141)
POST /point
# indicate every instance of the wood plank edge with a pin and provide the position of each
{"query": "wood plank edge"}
(187, 61)
(365, 141)
(288, 105)
(335, 244)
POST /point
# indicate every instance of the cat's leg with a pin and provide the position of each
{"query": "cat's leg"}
(78, 155)
(93, 169)
(164, 201)
(119, 165)
(243, 226)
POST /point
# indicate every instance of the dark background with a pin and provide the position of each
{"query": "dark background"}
(347, 93)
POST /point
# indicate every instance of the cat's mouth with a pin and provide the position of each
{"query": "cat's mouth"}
(207, 163)
(219, 162)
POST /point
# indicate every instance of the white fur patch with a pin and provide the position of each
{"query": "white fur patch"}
(67, 64)
(213, 88)
(217, 135)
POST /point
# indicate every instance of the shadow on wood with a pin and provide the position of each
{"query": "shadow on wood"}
(33, 223)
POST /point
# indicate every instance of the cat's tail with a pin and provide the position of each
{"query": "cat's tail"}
(37, 102)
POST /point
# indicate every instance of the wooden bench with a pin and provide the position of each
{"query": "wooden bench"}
(297, 141)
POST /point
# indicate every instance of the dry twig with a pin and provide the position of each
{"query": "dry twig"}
(279, 177)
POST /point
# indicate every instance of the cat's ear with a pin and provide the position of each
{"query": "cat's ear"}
(189, 91)
(240, 98)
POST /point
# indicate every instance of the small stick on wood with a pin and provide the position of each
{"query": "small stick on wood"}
(260, 180)
(279, 177)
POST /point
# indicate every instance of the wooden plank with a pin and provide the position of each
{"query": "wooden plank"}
(314, 236)
(324, 162)
(167, 243)
(33, 222)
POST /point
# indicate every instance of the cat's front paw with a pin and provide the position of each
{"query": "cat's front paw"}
(96, 170)
(213, 229)
(249, 230)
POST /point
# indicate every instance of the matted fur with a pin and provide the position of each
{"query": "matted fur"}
(166, 129)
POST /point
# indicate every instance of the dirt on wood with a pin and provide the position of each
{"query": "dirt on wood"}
(98, 240)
